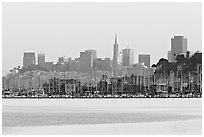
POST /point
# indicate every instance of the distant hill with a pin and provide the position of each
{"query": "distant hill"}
(32, 68)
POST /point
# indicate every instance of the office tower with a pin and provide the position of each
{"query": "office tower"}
(169, 56)
(127, 57)
(74, 65)
(66, 59)
(102, 64)
(145, 58)
(107, 64)
(178, 46)
(28, 59)
(61, 60)
(86, 62)
(41, 58)
(93, 54)
(115, 58)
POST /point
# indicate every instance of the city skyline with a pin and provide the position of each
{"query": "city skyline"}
(34, 58)
(35, 37)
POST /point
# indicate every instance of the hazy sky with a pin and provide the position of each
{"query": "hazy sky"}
(65, 29)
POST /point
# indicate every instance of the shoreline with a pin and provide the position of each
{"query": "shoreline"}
(89, 97)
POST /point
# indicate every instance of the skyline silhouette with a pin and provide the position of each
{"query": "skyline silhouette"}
(66, 29)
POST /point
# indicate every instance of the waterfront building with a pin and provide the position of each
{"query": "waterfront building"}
(171, 81)
(102, 86)
(178, 46)
(141, 72)
(145, 58)
(62, 86)
(72, 86)
(28, 59)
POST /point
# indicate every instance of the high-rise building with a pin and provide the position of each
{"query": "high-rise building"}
(41, 58)
(115, 58)
(61, 60)
(169, 56)
(107, 64)
(145, 58)
(74, 65)
(66, 59)
(178, 46)
(93, 53)
(28, 59)
(102, 64)
(86, 62)
(127, 57)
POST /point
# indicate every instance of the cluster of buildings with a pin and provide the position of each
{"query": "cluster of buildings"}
(87, 67)
(88, 62)
(89, 71)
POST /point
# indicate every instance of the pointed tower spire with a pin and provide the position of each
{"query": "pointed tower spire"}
(116, 38)
(115, 57)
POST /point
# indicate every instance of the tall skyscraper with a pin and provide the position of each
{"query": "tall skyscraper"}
(178, 46)
(28, 59)
(46, 65)
(115, 58)
(41, 58)
(169, 56)
(127, 57)
(145, 58)
(86, 62)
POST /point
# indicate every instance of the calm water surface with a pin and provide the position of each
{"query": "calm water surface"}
(59, 112)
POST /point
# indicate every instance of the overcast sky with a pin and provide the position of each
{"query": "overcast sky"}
(65, 29)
